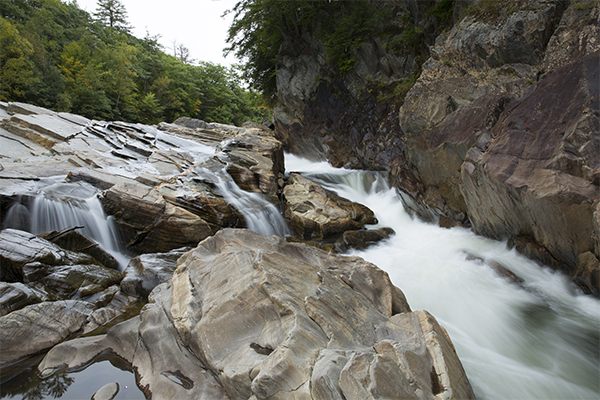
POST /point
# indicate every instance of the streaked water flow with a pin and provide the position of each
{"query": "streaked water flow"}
(60, 205)
(535, 341)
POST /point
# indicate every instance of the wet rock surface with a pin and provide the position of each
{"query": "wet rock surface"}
(501, 120)
(277, 330)
(316, 213)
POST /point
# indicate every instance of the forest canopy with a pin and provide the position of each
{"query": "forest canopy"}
(58, 56)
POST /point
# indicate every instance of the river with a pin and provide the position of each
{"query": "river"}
(538, 340)
(535, 340)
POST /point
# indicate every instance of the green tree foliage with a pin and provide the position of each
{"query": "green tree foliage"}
(113, 14)
(58, 56)
(16, 68)
(261, 26)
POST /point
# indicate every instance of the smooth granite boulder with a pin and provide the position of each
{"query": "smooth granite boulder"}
(253, 316)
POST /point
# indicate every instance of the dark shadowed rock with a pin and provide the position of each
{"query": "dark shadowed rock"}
(76, 242)
(14, 296)
(19, 249)
(360, 240)
(295, 323)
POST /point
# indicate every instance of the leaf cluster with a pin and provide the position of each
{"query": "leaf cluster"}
(58, 56)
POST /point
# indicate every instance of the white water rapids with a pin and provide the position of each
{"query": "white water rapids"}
(540, 341)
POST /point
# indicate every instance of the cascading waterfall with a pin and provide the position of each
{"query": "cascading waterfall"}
(538, 340)
(60, 206)
(261, 216)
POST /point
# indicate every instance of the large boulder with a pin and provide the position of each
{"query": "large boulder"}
(316, 213)
(295, 323)
(145, 272)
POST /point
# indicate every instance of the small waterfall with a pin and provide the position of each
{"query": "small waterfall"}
(61, 206)
(261, 215)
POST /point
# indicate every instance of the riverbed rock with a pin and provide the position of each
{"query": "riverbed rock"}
(296, 322)
(145, 272)
(362, 239)
(38, 327)
(74, 241)
(148, 222)
(316, 213)
(20, 250)
(14, 296)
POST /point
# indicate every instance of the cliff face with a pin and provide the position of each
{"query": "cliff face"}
(500, 131)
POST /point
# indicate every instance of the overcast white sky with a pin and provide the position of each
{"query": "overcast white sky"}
(197, 24)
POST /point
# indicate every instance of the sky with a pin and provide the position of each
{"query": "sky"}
(197, 24)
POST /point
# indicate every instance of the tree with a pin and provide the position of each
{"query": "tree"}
(112, 13)
(16, 69)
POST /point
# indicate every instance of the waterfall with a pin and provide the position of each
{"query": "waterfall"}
(261, 216)
(538, 340)
(61, 205)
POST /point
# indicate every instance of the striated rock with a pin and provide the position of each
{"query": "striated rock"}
(360, 240)
(296, 322)
(58, 273)
(14, 296)
(316, 213)
(70, 281)
(147, 271)
(148, 222)
(254, 160)
(38, 327)
(538, 172)
(74, 241)
(20, 250)
(120, 307)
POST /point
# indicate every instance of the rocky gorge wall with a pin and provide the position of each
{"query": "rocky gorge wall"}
(499, 132)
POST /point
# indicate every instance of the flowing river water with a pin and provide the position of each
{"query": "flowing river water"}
(536, 340)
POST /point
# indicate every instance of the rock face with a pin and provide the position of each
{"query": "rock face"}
(54, 323)
(316, 213)
(295, 323)
(163, 185)
(499, 132)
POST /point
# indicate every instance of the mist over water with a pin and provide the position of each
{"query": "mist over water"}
(539, 340)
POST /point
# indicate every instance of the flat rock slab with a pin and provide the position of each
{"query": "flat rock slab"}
(52, 125)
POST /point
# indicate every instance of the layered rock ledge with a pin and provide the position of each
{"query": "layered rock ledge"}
(247, 316)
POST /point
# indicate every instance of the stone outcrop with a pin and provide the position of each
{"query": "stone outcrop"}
(54, 323)
(296, 322)
(477, 140)
(163, 185)
(145, 272)
(316, 213)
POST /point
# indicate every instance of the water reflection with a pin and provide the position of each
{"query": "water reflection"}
(74, 385)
